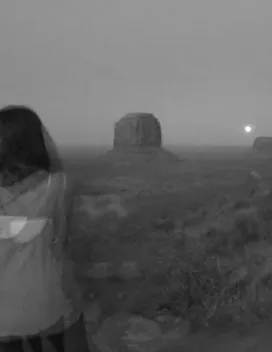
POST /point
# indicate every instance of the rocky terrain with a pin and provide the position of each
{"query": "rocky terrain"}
(176, 258)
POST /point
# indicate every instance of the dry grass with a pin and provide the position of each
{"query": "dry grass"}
(211, 268)
(209, 243)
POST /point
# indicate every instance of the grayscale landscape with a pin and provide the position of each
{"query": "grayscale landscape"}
(174, 257)
(162, 112)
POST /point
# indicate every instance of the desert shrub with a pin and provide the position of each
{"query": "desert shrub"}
(216, 262)
(219, 267)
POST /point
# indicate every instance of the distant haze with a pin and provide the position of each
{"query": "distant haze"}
(203, 67)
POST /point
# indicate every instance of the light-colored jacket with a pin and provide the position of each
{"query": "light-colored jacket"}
(37, 283)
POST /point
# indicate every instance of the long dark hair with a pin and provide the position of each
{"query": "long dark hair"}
(25, 145)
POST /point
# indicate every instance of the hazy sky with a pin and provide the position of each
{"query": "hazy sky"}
(203, 67)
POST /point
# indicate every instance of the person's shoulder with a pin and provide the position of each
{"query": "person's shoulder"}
(58, 179)
(5, 195)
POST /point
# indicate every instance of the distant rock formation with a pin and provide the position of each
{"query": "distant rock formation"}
(138, 141)
(137, 130)
(262, 146)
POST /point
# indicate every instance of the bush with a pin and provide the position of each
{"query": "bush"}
(224, 262)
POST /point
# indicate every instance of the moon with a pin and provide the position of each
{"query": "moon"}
(248, 129)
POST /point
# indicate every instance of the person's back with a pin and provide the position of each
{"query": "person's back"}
(31, 296)
(36, 297)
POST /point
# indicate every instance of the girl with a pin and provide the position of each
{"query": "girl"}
(36, 288)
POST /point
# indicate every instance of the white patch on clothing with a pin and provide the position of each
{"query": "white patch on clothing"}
(20, 229)
(17, 225)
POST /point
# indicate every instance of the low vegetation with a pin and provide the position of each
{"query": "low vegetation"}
(221, 265)
(207, 258)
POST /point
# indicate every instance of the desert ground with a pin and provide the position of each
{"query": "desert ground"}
(173, 257)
